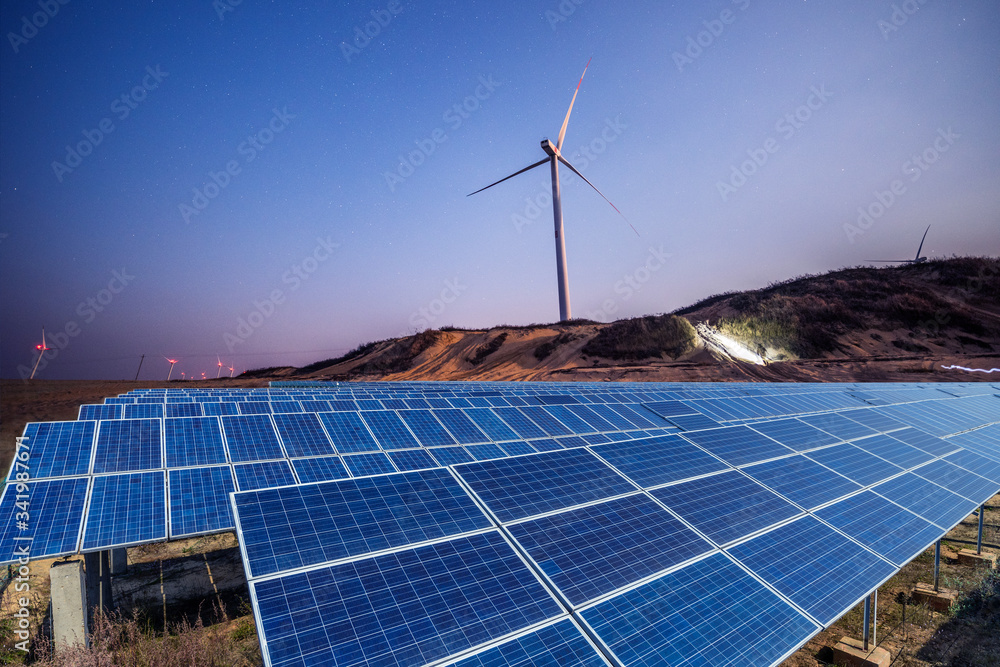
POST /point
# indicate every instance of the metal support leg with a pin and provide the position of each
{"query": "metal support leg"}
(937, 564)
(875, 617)
(868, 619)
(979, 539)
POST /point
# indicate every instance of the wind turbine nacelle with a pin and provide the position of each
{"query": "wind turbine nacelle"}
(549, 147)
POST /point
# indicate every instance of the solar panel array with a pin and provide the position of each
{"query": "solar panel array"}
(492, 523)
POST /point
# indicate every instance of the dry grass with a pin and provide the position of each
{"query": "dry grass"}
(642, 338)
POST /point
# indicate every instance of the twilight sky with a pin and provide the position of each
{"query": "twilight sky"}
(265, 183)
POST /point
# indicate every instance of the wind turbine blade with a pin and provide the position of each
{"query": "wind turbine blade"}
(562, 130)
(920, 247)
(574, 170)
(889, 261)
(537, 164)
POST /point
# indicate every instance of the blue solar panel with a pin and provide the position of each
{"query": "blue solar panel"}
(251, 438)
(693, 422)
(873, 419)
(893, 451)
(254, 407)
(527, 485)
(795, 434)
(924, 442)
(448, 456)
(199, 500)
(460, 426)
(389, 430)
(485, 452)
(708, 613)
(348, 432)
(977, 463)
(411, 607)
(193, 441)
(801, 480)
(593, 550)
(428, 430)
(524, 427)
(838, 425)
(219, 409)
(727, 506)
(319, 469)
(559, 645)
(250, 476)
(126, 509)
(102, 411)
(597, 422)
(927, 499)
(958, 480)
(639, 416)
(302, 434)
(737, 445)
(815, 567)
(182, 410)
(368, 464)
(491, 424)
(881, 526)
(143, 411)
(659, 460)
(412, 459)
(517, 448)
(293, 527)
(669, 408)
(286, 407)
(131, 444)
(545, 420)
(41, 519)
(55, 449)
(569, 419)
(617, 421)
(855, 464)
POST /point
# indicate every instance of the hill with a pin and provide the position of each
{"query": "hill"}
(866, 324)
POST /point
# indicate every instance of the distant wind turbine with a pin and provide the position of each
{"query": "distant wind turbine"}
(555, 156)
(219, 373)
(172, 362)
(231, 369)
(42, 349)
(916, 260)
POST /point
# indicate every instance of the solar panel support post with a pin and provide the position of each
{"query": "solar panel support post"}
(979, 537)
(937, 564)
(867, 621)
(98, 568)
(875, 617)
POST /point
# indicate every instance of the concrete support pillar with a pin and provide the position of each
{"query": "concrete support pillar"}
(69, 604)
(119, 561)
(98, 580)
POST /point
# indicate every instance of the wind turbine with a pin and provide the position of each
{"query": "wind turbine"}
(172, 362)
(554, 157)
(231, 369)
(916, 260)
(219, 373)
(42, 349)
